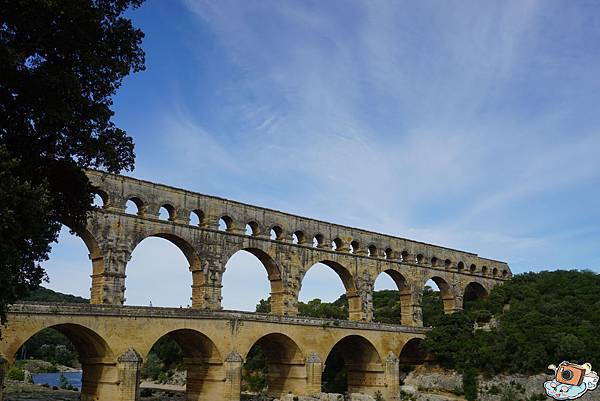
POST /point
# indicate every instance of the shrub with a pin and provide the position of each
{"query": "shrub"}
(146, 392)
(15, 373)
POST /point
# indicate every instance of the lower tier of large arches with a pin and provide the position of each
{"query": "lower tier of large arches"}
(114, 342)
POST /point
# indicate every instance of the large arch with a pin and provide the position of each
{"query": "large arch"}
(473, 291)
(355, 307)
(404, 315)
(357, 358)
(69, 268)
(150, 257)
(273, 275)
(201, 359)
(411, 355)
(284, 364)
(93, 352)
(448, 298)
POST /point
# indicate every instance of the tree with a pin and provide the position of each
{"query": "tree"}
(61, 62)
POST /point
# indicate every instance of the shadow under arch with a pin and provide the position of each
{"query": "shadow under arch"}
(355, 305)
(473, 292)
(284, 363)
(405, 295)
(277, 290)
(93, 352)
(411, 355)
(199, 356)
(353, 365)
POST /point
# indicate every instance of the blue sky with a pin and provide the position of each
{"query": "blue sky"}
(471, 124)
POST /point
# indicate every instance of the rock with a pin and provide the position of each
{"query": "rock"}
(361, 397)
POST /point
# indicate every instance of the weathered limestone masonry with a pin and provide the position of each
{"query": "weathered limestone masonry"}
(357, 256)
(113, 340)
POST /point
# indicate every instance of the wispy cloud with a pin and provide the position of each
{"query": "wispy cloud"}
(469, 124)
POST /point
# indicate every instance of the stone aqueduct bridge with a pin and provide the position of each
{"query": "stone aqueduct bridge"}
(113, 339)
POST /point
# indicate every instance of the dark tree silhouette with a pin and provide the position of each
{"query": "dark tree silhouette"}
(61, 62)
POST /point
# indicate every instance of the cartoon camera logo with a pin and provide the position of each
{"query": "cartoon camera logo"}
(571, 381)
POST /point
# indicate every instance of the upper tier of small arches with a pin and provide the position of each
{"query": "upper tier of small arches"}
(152, 201)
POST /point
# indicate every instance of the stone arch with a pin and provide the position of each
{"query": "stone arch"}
(448, 297)
(472, 292)
(361, 362)
(171, 210)
(93, 352)
(139, 202)
(277, 288)
(285, 363)
(188, 251)
(202, 360)
(96, 256)
(355, 304)
(413, 352)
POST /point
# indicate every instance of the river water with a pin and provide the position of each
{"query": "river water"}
(52, 379)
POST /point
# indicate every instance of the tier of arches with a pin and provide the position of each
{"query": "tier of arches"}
(292, 365)
(135, 204)
(409, 288)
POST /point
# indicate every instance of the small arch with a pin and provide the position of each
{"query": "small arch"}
(472, 268)
(504, 273)
(225, 223)
(135, 206)
(372, 251)
(434, 261)
(252, 229)
(447, 263)
(318, 240)
(100, 198)
(353, 365)
(354, 246)
(166, 212)
(388, 254)
(298, 237)
(276, 233)
(460, 266)
(484, 270)
(404, 256)
(495, 272)
(337, 245)
(419, 258)
(197, 218)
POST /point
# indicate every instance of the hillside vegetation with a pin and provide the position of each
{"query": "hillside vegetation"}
(536, 319)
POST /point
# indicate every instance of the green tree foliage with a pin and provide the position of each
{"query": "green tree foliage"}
(60, 63)
(42, 294)
(538, 319)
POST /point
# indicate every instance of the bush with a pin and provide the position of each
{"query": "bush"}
(146, 392)
(470, 384)
(15, 373)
